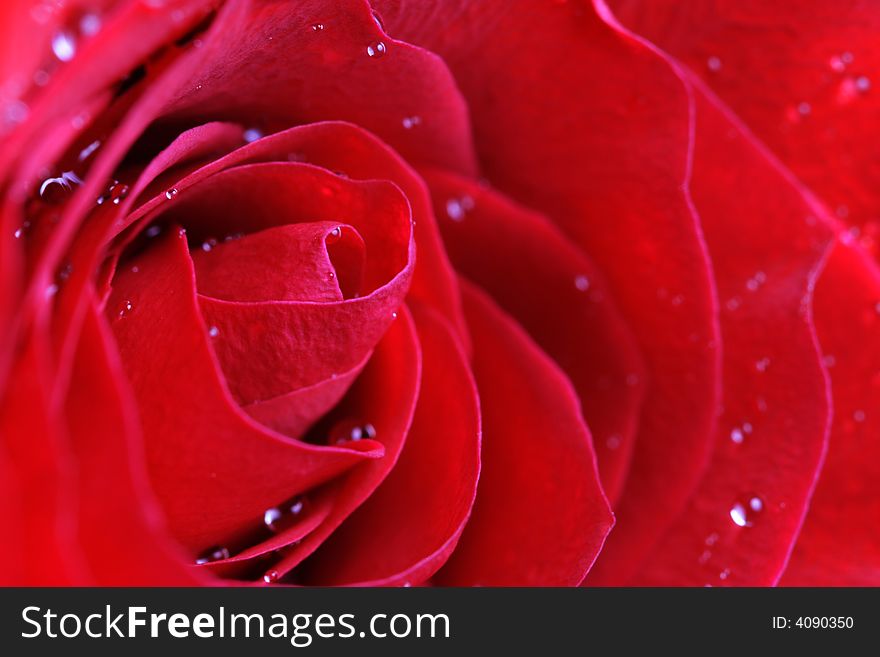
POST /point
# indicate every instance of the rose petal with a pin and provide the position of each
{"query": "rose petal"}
(213, 469)
(838, 544)
(312, 62)
(287, 263)
(385, 395)
(560, 298)
(345, 148)
(814, 68)
(767, 251)
(540, 517)
(119, 525)
(40, 511)
(406, 530)
(619, 192)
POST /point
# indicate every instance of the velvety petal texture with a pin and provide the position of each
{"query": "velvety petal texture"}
(453, 293)
(538, 459)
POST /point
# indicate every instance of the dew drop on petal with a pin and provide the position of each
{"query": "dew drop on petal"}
(318, 27)
(271, 576)
(410, 122)
(171, 193)
(252, 134)
(714, 64)
(64, 45)
(125, 308)
(281, 517)
(87, 152)
(376, 49)
(216, 553)
(762, 364)
(55, 190)
(582, 283)
(859, 415)
(89, 24)
(457, 208)
(736, 435)
(213, 331)
(743, 513)
(350, 431)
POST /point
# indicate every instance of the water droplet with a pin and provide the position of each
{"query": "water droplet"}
(756, 281)
(213, 331)
(859, 415)
(705, 556)
(117, 193)
(271, 576)
(411, 121)
(153, 231)
(829, 360)
(837, 64)
(64, 45)
(209, 244)
(863, 83)
(318, 27)
(85, 153)
(733, 303)
(677, 300)
(407, 585)
(376, 49)
(457, 208)
(212, 554)
(582, 283)
(736, 435)
(394, 315)
(714, 64)
(350, 431)
(724, 574)
(56, 190)
(51, 290)
(89, 24)
(252, 134)
(762, 364)
(171, 193)
(712, 539)
(15, 112)
(281, 517)
(125, 308)
(743, 513)
(135, 269)
(804, 108)
(613, 441)
(334, 235)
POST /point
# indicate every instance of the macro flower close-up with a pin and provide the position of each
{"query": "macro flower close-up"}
(439, 293)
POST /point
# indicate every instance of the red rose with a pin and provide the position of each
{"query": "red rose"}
(323, 293)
